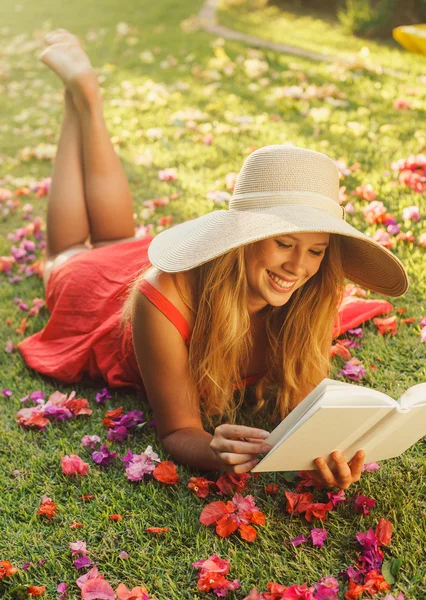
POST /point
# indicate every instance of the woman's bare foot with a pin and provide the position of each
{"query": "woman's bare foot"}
(60, 35)
(65, 57)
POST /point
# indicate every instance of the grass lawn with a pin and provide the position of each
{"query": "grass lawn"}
(197, 106)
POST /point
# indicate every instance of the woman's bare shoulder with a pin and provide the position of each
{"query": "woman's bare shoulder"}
(165, 284)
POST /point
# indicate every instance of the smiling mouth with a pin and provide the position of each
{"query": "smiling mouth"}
(281, 283)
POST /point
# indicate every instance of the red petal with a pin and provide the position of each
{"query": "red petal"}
(115, 413)
(384, 531)
(36, 590)
(226, 525)
(248, 533)
(257, 517)
(232, 482)
(166, 473)
(213, 512)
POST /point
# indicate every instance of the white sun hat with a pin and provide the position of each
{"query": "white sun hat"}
(280, 189)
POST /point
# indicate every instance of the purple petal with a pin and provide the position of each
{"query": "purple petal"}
(128, 458)
(300, 539)
(367, 540)
(62, 588)
(356, 332)
(83, 561)
(103, 396)
(362, 504)
(352, 573)
(118, 434)
(103, 456)
(58, 413)
(337, 498)
(318, 537)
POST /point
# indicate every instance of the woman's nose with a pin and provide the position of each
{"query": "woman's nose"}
(295, 264)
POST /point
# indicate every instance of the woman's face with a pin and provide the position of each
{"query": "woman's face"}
(278, 266)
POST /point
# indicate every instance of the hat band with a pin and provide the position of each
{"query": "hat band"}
(254, 200)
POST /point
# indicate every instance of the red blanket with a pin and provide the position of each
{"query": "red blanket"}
(353, 311)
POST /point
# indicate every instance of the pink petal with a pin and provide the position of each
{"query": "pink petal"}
(78, 547)
(92, 574)
(370, 467)
(74, 465)
(97, 589)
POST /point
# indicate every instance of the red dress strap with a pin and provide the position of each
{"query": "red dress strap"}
(166, 307)
(179, 321)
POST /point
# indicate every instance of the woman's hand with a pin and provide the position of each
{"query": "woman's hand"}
(237, 446)
(343, 475)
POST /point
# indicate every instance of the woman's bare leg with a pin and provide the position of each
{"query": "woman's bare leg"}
(107, 196)
(67, 218)
(107, 192)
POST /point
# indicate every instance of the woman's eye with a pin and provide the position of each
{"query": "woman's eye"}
(316, 253)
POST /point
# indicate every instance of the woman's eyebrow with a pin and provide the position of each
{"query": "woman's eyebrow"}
(288, 235)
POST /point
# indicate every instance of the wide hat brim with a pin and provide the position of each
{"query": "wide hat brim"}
(190, 244)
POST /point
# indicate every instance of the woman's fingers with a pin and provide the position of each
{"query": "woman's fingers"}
(230, 444)
(233, 452)
(237, 447)
(342, 478)
(243, 467)
(240, 432)
(345, 473)
(325, 472)
(230, 458)
(356, 465)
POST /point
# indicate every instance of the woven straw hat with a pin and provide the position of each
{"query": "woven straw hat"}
(280, 189)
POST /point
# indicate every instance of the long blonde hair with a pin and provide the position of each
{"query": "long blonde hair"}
(299, 334)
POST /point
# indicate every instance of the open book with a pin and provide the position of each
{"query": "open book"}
(346, 417)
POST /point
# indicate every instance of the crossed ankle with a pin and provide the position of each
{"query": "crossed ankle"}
(86, 93)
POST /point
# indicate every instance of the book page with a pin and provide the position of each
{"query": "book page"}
(328, 391)
(328, 429)
(416, 395)
(403, 429)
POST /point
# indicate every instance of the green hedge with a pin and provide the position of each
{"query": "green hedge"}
(367, 18)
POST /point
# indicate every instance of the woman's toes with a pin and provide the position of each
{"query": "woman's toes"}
(59, 36)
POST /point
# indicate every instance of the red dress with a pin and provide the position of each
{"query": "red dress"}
(85, 296)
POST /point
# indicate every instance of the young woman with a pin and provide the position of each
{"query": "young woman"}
(203, 311)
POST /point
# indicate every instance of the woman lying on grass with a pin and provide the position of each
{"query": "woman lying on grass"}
(235, 298)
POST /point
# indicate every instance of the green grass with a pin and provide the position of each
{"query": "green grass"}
(31, 109)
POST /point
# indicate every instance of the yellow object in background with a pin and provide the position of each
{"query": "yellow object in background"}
(411, 37)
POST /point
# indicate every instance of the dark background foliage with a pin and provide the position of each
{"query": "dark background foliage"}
(366, 18)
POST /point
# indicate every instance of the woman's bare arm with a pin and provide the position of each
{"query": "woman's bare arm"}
(162, 357)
